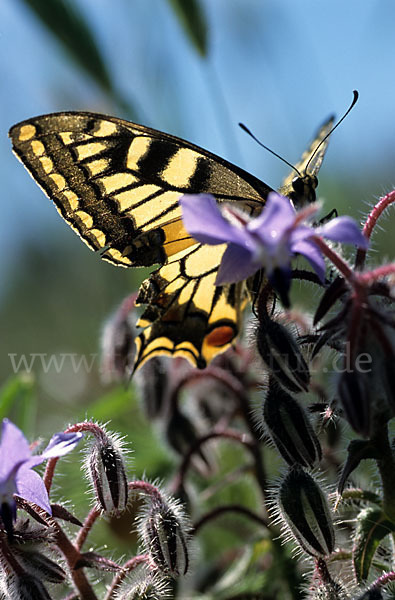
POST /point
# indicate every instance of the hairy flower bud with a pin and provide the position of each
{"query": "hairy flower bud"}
(144, 585)
(117, 343)
(165, 533)
(290, 429)
(366, 388)
(305, 511)
(107, 472)
(152, 382)
(354, 396)
(328, 591)
(282, 355)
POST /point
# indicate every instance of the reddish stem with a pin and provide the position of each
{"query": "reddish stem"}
(229, 508)
(376, 212)
(216, 373)
(129, 565)
(71, 554)
(370, 224)
(383, 579)
(49, 473)
(378, 273)
(339, 263)
(241, 438)
(83, 533)
(89, 426)
(147, 488)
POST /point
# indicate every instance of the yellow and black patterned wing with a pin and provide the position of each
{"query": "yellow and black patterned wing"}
(117, 184)
(301, 190)
(187, 315)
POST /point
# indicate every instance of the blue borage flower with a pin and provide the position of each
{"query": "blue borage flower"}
(16, 464)
(268, 242)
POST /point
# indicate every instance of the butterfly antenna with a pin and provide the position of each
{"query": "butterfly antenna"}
(244, 128)
(353, 103)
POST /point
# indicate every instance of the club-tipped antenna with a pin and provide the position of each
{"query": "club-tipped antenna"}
(245, 128)
(353, 103)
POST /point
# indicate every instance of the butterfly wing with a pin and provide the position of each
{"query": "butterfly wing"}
(308, 167)
(187, 315)
(117, 185)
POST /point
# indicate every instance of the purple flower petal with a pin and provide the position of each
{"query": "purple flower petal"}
(277, 215)
(313, 254)
(204, 221)
(16, 462)
(343, 229)
(31, 487)
(236, 265)
(14, 448)
(61, 444)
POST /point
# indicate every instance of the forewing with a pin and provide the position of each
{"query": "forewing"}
(307, 165)
(117, 184)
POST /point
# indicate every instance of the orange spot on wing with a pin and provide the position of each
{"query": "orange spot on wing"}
(220, 336)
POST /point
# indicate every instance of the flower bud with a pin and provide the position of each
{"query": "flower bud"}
(152, 381)
(354, 396)
(144, 585)
(365, 388)
(117, 343)
(305, 511)
(290, 428)
(329, 591)
(107, 472)
(165, 533)
(282, 355)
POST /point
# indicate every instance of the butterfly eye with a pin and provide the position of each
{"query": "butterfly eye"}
(313, 181)
(298, 185)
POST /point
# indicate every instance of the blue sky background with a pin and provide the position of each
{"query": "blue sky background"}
(280, 66)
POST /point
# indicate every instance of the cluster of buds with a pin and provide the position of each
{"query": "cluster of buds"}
(360, 332)
(30, 547)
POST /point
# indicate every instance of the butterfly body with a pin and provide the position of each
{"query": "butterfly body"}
(117, 184)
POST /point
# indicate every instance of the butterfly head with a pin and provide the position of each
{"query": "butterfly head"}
(303, 190)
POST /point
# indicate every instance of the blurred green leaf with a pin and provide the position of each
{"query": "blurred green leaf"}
(193, 21)
(68, 25)
(111, 405)
(18, 398)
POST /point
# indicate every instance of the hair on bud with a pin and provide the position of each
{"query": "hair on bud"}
(305, 513)
(289, 428)
(106, 469)
(117, 343)
(281, 354)
(152, 382)
(165, 531)
(143, 584)
(328, 591)
(366, 390)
